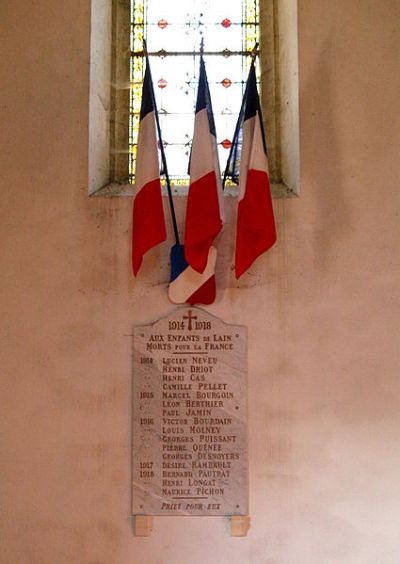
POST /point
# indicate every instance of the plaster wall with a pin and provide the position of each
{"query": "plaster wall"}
(322, 310)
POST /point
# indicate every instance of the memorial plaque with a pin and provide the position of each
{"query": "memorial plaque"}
(190, 416)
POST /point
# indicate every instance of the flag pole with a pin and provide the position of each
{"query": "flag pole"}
(238, 123)
(163, 157)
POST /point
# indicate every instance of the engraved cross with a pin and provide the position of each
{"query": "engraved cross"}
(190, 317)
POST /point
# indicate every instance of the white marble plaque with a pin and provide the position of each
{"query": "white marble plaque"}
(190, 416)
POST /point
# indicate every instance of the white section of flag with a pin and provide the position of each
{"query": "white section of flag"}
(253, 155)
(202, 160)
(205, 155)
(147, 163)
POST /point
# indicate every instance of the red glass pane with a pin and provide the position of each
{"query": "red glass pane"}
(226, 144)
(226, 83)
(226, 23)
(162, 24)
(162, 83)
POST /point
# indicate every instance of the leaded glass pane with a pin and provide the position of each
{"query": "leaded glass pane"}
(173, 31)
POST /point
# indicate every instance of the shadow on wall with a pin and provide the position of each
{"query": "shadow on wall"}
(327, 167)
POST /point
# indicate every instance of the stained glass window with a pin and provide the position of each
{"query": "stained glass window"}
(173, 31)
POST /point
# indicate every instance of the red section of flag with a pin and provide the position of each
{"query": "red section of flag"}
(256, 231)
(205, 294)
(148, 227)
(203, 220)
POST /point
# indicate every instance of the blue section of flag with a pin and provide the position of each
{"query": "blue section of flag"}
(204, 97)
(250, 108)
(178, 262)
(252, 102)
(147, 105)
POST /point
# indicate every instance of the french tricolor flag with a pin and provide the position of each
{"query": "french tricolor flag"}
(204, 204)
(255, 229)
(189, 286)
(193, 264)
(148, 226)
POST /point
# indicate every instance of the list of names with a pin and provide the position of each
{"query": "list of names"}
(189, 416)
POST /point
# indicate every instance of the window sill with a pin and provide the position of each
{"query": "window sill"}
(115, 190)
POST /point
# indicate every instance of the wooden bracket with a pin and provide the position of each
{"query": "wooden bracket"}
(240, 524)
(143, 525)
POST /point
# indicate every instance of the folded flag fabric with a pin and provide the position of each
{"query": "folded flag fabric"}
(148, 226)
(255, 228)
(204, 204)
(189, 286)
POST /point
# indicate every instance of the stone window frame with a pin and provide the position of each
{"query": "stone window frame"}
(109, 97)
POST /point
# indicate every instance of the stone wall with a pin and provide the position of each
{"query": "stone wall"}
(322, 311)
